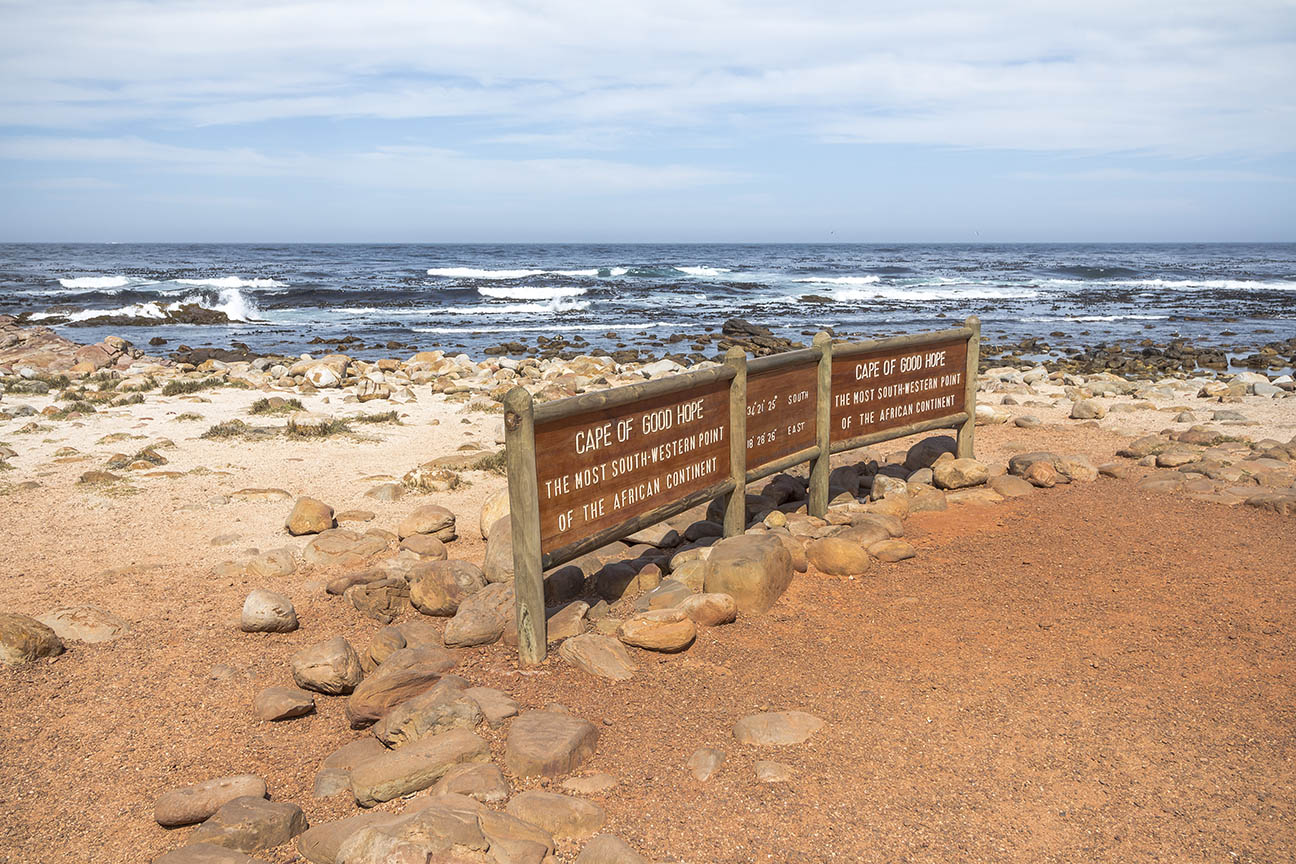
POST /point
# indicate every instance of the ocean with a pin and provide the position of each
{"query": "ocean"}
(468, 297)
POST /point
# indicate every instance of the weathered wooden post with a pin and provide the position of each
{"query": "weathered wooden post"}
(819, 469)
(967, 431)
(735, 517)
(524, 513)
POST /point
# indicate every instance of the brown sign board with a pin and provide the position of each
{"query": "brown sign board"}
(893, 387)
(601, 468)
(780, 412)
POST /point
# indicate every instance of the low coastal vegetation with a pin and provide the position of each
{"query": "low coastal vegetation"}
(378, 417)
(183, 386)
(275, 405)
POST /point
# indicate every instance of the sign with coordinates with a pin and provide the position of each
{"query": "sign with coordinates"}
(601, 468)
(780, 412)
(894, 387)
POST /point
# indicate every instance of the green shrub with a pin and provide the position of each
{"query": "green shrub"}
(265, 406)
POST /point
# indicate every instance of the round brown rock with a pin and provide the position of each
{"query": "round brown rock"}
(839, 556)
(438, 587)
(23, 639)
(429, 519)
(268, 612)
(563, 816)
(309, 516)
(710, 610)
(331, 667)
(754, 569)
(666, 630)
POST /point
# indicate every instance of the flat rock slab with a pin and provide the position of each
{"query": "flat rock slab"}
(594, 784)
(496, 705)
(563, 816)
(320, 843)
(206, 853)
(85, 624)
(481, 781)
(704, 763)
(334, 774)
(776, 728)
(249, 824)
(549, 743)
(601, 656)
(189, 805)
(414, 767)
(439, 709)
(609, 849)
(282, 703)
(773, 772)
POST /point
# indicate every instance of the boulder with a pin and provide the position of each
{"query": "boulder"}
(343, 547)
(498, 563)
(23, 639)
(925, 453)
(331, 667)
(275, 564)
(1018, 464)
(438, 709)
(891, 551)
(563, 816)
(959, 473)
(601, 656)
(405, 674)
(1011, 486)
(494, 508)
(710, 610)
(282, 703)
(439, 587)
(839, 556)
(665, 630)
(309, 516)
(1088, 409)
(320, 843)
(190, 805)
(429, 519)
(754, 569)
(549, 743)
(250, 824)
(268, 612)
(415, 766)
(1041, 474)
(85, 624)
(776, 728)
(424, 547)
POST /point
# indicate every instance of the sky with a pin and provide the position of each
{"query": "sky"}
(612, 121)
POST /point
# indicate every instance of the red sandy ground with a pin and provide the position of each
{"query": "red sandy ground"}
(1088, 674)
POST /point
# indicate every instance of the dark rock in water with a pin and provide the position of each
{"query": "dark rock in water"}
(817, 298)
(741, 327)
(157, 340)
(240, 351)
(190, 313)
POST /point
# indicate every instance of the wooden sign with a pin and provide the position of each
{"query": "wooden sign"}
(599, 469)
(894, 387)
(780, 412)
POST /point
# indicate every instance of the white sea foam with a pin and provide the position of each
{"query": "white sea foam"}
(556, 305)
(921, 293)
(1176, 284)
(230, 301)
(1086, 319)
(95, 282)
(232, 282)
(547, 328)
(476, 273)
(843, 280)
(703, 271)
(531, 292)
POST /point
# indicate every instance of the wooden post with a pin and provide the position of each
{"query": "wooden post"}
(966, 432)
(524, 512)
(819, 469)
(735, 518)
